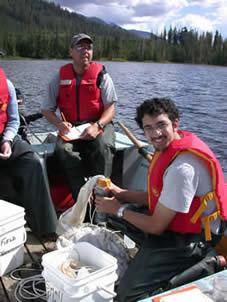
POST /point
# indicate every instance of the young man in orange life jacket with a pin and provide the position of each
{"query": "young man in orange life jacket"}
(23, 166)
(186, 202)
(84, 92)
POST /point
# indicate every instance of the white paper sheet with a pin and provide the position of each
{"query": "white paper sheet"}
(75, 132)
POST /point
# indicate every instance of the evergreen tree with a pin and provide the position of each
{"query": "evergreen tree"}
(38, 29)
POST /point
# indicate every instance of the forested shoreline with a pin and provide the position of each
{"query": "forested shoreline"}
(37, 29)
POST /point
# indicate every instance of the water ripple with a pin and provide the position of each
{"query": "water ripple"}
(199, 91)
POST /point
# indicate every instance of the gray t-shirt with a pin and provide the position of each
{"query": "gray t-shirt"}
(185, 178)
(108, 93)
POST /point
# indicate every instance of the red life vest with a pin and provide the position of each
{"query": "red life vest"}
(189, 222)
(81, 103)
(4, 100)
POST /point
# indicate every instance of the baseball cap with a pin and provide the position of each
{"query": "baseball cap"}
(77, 38)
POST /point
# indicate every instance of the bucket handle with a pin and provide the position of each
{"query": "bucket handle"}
(24, 236)
(112, 293)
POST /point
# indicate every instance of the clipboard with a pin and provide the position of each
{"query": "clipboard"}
(75, 132)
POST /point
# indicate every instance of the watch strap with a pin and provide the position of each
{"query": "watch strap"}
(120, 211)
(100, 125)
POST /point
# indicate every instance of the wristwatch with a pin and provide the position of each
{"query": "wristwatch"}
(120, 211)
(100, 125)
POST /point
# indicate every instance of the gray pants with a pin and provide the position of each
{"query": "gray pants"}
(29, 187)
(82, 158)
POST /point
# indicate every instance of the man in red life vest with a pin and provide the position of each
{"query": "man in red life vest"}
(84, 92)
(23, 167)
(186, 203)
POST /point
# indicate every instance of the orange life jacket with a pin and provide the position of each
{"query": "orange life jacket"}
(82, 103)
(4, 101)
(190, 222)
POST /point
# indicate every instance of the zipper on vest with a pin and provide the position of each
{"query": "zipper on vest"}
(78, 79)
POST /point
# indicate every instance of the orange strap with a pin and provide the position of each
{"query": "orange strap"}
(206, 223)
(206, 219)
(3, 107)
(204, 199)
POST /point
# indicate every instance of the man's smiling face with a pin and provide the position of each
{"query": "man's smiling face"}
(159, 130)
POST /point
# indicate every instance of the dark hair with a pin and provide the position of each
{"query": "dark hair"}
(155, 107)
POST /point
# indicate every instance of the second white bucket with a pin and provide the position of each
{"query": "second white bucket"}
(98, 286)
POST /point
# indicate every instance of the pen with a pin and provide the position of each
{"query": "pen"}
(63, 117)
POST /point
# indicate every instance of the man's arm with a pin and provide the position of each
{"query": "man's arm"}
(62, 126)
(49, 107)
(180, 184)
(155, 224)
(108, 114)
(93, 131)
(13, 115)
(109, 98)
(152, 224)
(124, 195)
(12, 124)
(183, 175)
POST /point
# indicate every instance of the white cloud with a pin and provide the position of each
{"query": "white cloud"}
(204, 15)
(193, 21)
(207, 3)
(116, 14)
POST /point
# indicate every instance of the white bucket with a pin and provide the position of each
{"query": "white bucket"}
(11, 260)
(12, 236)
(98, 286)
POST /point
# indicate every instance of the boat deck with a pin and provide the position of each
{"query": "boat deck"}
(34, 248)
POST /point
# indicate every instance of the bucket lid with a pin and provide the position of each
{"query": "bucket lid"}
(9, 210)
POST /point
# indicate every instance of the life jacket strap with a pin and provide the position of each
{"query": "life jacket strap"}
(3, 107)
(204, 199)
(206, 220)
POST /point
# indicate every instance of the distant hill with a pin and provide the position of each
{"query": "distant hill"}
(97, 20)
(37, 28)
(27, 15)
(142, 34)
(135, 33)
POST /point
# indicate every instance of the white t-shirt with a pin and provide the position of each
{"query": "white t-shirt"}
(185, 178)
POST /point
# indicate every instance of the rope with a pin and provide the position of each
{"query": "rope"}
(92, 213)
(29, 288)
(74, 269)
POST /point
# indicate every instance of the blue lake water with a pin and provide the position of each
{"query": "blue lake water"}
(200, 92)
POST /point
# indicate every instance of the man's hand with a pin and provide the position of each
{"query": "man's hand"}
(115, 190)
(64, 127)
(91, 132)
(108, 205)
(6, 150)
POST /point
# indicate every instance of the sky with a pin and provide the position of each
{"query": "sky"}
(155, 15)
